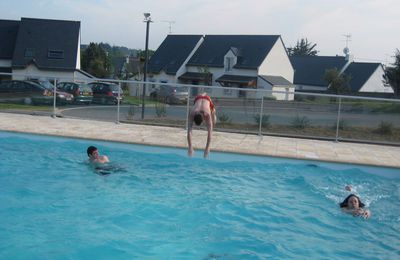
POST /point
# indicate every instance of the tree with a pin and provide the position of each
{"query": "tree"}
(303, 47)
(338, 83)
(392, 74)
(95, 61)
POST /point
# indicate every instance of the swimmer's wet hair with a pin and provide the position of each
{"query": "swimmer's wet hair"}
(90, 150)
(198, 119)
(345, 203)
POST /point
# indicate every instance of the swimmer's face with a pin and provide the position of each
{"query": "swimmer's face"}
(353, 203)
(95, 154)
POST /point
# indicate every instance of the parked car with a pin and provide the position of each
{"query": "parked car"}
(25, 92)
(170, 95)
(105, 92)
(62, 98)
(82, 93)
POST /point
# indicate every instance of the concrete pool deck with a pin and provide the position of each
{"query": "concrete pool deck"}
(365, 154)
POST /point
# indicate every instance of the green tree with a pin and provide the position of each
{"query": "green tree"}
(303, 47)
(392, 74)
(96, 61)
(338, 83)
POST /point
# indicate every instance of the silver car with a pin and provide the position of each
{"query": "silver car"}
(170, 95)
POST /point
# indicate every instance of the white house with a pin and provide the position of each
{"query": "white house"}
(224, 61)
(41, 48)
(365, 77)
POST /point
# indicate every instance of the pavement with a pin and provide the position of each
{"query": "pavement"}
(319, 150)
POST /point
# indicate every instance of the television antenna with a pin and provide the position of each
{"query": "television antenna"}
(170, 23)
(346, 50)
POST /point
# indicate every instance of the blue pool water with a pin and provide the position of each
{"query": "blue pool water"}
(164, 205)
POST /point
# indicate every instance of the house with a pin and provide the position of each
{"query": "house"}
(365, 78)
(225, 61)
(41, 48)
(127, 66)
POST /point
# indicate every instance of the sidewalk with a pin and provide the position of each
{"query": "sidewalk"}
(366, 154)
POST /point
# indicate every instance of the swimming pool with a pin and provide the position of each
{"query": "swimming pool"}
(164, 205)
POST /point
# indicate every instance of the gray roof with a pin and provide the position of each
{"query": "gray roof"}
(251, 50)
(360, 72)
(195, 76)
(172, 52)
(276, 80)
(39, 39)
(236, 79)
(310, 70)
(8, 36)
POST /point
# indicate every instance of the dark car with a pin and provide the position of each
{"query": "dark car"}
(62, 98)
(25, 92)
(170, 95)
(106, 93)
(82, 93)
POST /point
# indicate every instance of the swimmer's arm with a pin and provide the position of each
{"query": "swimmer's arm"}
(209, 134)
(105, 159)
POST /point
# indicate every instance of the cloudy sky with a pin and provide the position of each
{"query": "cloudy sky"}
(373, 24)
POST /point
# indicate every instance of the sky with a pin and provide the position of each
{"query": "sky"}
(373, 24)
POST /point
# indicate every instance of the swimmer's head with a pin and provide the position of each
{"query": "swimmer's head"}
(91, 150)
(198, 119)
(352, 202)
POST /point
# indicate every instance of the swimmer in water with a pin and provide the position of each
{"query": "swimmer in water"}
(95, 157)
(352, 204)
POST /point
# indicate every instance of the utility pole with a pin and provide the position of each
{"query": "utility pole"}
(147, 20)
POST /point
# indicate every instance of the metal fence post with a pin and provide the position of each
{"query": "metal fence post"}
(261, 114)
(119, 98)
(338, 120)
(54, 98)
(187, 107)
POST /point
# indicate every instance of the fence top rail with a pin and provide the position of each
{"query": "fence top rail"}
(180, 85)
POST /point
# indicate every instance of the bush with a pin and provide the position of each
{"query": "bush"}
(131, 112)
(298, 98)
(385, 128)
(343, 125)
(224, 118)
(161, 110)
(311, 98)
(300, 122)
(265, 120)
(269, 98)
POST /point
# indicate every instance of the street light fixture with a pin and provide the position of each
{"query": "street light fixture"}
(147, 20)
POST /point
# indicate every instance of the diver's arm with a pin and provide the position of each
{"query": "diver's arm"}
(189, 136)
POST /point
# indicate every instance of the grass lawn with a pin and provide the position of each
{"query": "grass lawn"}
(5, 106)
(129, 100)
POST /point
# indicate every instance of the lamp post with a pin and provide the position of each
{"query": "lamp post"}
(147, 20)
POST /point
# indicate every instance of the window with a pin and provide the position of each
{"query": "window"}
(55, 54)
(229, 63)
(29, 53)
(227, 92)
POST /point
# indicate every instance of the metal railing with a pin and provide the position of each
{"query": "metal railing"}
(245, 110)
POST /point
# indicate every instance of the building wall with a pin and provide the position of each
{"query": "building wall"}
(33, 72)
(277, 63)
(288, 95)
(5, 63)
(78, 57)
(375, 83)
